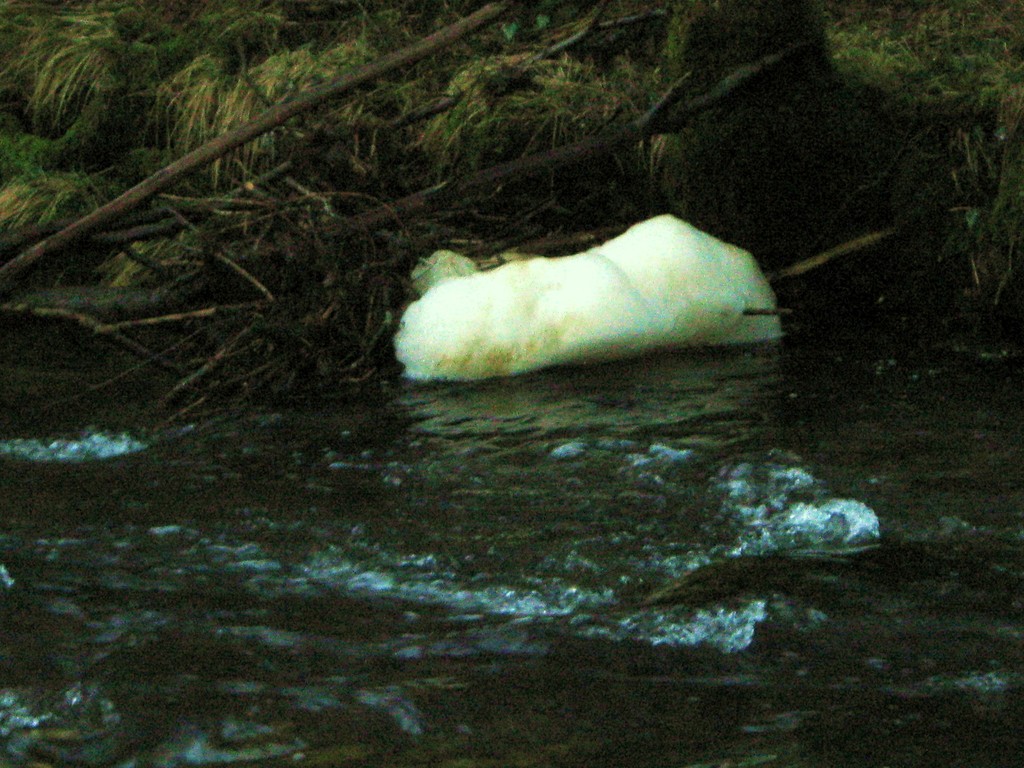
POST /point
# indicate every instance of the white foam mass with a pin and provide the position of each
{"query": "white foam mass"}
(662, 283)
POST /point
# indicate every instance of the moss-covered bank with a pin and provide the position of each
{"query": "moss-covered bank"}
(900, 115)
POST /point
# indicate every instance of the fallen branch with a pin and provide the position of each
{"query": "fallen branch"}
(94, 325)
(178, 317)
(246, 275)
(575, 39)
(660, 118)
(265, 122)
(101, 303)
(159, 221)
(209, 366)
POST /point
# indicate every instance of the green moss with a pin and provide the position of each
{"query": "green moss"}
(901, 113)
(951, 75)
(82, 80)
(23, 154)
(708, 39)
(967, 52)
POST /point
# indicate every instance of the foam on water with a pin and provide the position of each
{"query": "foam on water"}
(423, 583)
(90, 446)
(784, 507)
(729, 630)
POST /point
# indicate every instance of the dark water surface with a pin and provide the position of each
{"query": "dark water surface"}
(456, 577)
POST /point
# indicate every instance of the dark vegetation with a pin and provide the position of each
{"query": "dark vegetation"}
(279, 266)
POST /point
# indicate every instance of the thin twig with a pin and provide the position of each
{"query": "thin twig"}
(153, 222)
(636, 18)
(177, 317)
(94, 325)
(243, 273)
(206, 368)
(864, 241)
(573, 39)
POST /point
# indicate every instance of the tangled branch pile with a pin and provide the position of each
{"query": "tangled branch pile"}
(271, 256)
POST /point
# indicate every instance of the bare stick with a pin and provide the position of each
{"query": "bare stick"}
(246, 275)
(842, 249)
(208, 366)
(574, 39)
(268, 120)
(177, 317)
(96, 327)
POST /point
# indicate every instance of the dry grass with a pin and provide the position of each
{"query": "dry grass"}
(62, 60)
(554, 102)
(338, 292)
(26, 201)
(964, 61)
(205, 100)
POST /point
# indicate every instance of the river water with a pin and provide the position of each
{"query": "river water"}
(457, 575)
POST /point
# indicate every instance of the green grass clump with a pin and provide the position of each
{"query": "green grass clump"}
(552, 102)
(39, 198)
(61, 63)
(968, 51)
(206, 99)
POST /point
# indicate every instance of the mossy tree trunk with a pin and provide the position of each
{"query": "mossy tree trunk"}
(796, 162)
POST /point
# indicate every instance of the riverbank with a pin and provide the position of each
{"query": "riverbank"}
(280, 267)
